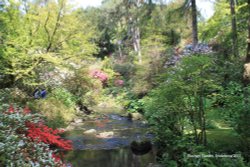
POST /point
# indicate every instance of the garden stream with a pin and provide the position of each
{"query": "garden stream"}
(106, 143)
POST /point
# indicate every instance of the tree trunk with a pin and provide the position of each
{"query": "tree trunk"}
(194, 23)
(57, 24)
(248, 40)
(194, 128)
(136, 34)
(192, 111)
(203, 139)
(246, 75)
(136, 43)
(150, 8)
(243, 124)
(120, 51)
(234, 29)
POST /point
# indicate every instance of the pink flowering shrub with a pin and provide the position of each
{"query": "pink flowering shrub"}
(102, 76)
(119, 82)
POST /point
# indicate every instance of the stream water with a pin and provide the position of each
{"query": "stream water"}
(113, 150)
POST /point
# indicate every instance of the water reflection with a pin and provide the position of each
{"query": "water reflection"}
(124, 132)
(122, 157)
(92, 151)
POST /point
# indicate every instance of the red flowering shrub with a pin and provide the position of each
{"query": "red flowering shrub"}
(57, 159)
(26, 110)
(11, 109)
(42, 133)
(25, 135)
(102, 76)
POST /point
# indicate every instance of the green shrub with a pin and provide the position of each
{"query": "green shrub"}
(56, 112)
(13, 95)
(64, 96)
(80, 82)
(125, 69)
(135, 105)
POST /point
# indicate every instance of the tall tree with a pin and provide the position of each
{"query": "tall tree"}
(246, 78)
(42, 32)
(243, 122)
(194, 22)
(134, 29)
(248, 40)
(234, 28)
(187, 6)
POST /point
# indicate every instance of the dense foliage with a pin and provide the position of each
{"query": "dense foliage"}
(189, 76)
(179, 110)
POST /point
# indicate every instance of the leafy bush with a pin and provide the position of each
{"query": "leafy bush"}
(11, 95)
(81, 82)
(56, 112)
(91, 98)
(22, 145)
(64, 96)
(176, 105)
(135, 105)
(125, 69)
(84, 88)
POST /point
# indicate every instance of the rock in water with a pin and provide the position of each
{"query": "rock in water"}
(91, 131)
(78, 120)
(140, 148)
(105, 135)
(135, 116)
(69, 128)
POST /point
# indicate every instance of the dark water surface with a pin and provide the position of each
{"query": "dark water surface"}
(122, 157)
(92, 151)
